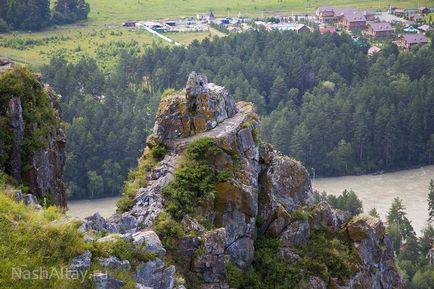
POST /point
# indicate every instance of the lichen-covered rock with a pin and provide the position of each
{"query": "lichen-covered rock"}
(377, 265)
(97, 223)
(200, 108)
(242, 252)
(210, 261)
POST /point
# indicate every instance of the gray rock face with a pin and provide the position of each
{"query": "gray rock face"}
(242, 252)
(104, 281)
(43, 170)
(81, 263)
(16, 124)
(114, 263)
(150, 241)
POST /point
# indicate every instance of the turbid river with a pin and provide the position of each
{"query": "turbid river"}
(379, 191)
(375, 191)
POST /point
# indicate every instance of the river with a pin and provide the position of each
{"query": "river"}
(374, 191)
(379, 191)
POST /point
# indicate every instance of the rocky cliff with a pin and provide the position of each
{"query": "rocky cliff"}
(32, 141)
(221, 209)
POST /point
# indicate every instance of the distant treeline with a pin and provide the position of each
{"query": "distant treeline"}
(36, 14)
(322, 101)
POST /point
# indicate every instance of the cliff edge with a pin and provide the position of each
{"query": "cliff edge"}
(221, 209)
(32, 141)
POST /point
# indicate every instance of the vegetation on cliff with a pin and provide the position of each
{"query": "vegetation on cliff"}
(39, 117)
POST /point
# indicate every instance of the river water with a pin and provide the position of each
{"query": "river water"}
(374, 191)
(379, 191)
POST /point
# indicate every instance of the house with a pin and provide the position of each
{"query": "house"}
(423, 10)
(372, 50)
(416, 18)
(382, 29)
(352, 21)
(369, 15)
(399, 12)
(324, 30)
(425, 28)
(407, 41)
(326, 14)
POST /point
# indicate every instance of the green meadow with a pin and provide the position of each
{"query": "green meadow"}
(103, 11)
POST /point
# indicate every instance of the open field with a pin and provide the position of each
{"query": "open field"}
(73, 42)
(121, 10)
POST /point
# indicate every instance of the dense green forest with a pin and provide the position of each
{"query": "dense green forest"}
(322, 101)
(36, 14)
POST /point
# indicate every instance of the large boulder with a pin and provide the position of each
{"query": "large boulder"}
(150, 242)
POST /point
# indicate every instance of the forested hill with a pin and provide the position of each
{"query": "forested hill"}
(322, 100)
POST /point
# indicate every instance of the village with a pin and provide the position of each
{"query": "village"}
(404, 27)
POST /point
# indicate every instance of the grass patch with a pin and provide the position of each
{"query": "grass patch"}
(28, 240)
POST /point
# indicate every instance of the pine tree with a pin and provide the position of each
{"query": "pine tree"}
(431, 201)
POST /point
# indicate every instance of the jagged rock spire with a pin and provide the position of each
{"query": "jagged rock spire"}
(198, 108)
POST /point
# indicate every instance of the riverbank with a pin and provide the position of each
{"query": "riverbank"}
(374, 190)
(379, 190)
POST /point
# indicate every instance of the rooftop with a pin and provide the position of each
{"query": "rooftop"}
(382, 26)
(414, 38)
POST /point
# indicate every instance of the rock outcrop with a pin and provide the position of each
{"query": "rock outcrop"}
(40, 167)
(263, 194)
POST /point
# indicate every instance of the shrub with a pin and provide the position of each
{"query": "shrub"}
(194, 182)
(168, 230)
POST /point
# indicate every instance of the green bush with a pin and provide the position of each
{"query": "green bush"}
(158, 152)
(194, 182)
(168, 230)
